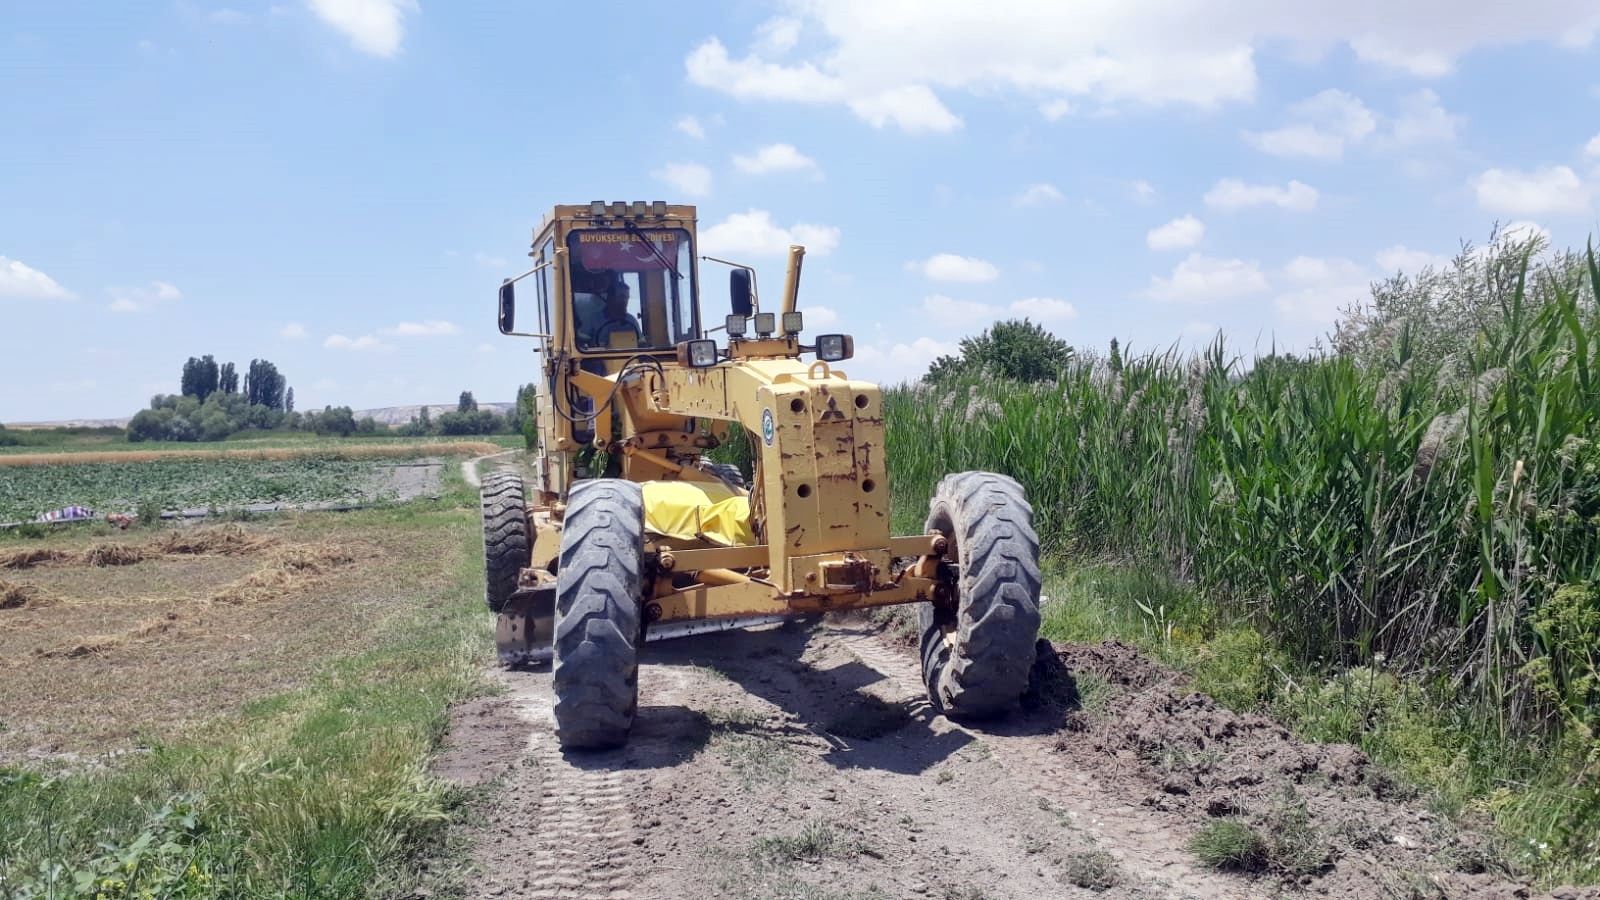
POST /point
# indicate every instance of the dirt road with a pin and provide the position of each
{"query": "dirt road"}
(806, 762)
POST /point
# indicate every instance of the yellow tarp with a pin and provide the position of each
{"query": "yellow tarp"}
(688, 510)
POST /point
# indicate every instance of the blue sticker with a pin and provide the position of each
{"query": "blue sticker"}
(768, 429)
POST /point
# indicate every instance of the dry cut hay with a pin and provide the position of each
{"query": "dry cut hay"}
(34, 556)
(376, 451)
(21, 595)
(222, 540)
(101, 644)
(287, 569)
(110, 554)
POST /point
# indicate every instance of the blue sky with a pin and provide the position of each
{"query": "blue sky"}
(339, 185)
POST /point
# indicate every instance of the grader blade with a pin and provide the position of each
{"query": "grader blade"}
(525, 629)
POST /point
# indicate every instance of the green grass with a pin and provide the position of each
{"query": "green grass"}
(322, 792)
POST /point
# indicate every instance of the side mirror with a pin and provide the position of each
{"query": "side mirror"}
(739, 291)
(508, 307)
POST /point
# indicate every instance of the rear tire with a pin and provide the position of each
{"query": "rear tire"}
(977, 656)
(595, 669)
(505, 536)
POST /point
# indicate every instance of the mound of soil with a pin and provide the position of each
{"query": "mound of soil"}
(1328, 819)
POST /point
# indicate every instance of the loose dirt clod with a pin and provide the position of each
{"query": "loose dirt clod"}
(21, 595)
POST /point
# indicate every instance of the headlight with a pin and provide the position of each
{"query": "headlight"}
(737, 325)
(766, 323)
(834, 347)
(793, 322)
(702, 354)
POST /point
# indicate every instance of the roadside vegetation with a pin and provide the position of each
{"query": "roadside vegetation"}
(1393, 543)
(298, 775)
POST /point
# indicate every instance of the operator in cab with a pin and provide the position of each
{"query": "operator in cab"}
(615, 318)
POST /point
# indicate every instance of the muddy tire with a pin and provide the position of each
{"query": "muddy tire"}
(595, 670)
(505, 536)
(730, 473)
(976, 657)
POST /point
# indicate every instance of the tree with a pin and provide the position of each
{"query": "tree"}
(264, 386)
(1014, 349)
(338, 420)
(228, 379)
(288, 400)
(466, 404)
(200, 377)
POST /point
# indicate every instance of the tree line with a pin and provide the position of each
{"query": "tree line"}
(214, 403)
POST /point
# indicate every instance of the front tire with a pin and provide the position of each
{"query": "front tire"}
(977, 650)
(506, 541)
(595, 668)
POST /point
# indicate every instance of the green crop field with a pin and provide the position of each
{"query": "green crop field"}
(126, 487)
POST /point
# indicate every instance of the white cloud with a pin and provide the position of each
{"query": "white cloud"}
(775, 37)
(1325, 126)
(1037, 194)
(489, 261)
(776, 158)
(226, 16)
(1206, 279)
(1104, 54)
(893, 362)
(1552, 190)
(486, 348)
(142, 299)
(1045, 309)
(1327, 123)
(293, 331)
(364, 342)
(1055, 110)
(1232, 193)
(950, 267)
(373, 26)
(753, 234)
(1177, 234)
(691, 126)
(913, 107)
(21, 281)
(1321, 287)
(1400, 258)
(1423, 119)
(820, 317)
(1593, 147)
(1144, 192)
(430, 328)
(686, 178)
(952, 313)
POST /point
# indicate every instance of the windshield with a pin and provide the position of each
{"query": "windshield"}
(631, 288)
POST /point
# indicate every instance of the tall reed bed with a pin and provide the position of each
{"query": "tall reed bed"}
(1442, 515)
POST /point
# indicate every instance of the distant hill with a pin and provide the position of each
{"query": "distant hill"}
(400, 415)
(388, 415)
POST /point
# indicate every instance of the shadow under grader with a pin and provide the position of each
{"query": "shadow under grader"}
(863, 730)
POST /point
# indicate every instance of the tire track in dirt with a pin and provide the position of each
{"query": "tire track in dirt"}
(560, 826)
(1142, 844)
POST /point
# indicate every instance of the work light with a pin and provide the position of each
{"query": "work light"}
(737, 325)
(766, 323)
(834, 347)
(792, 322)
(702, 353)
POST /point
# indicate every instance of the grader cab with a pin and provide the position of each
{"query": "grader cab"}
(628, 532)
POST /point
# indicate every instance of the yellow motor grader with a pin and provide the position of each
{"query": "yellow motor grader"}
(627, 531)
